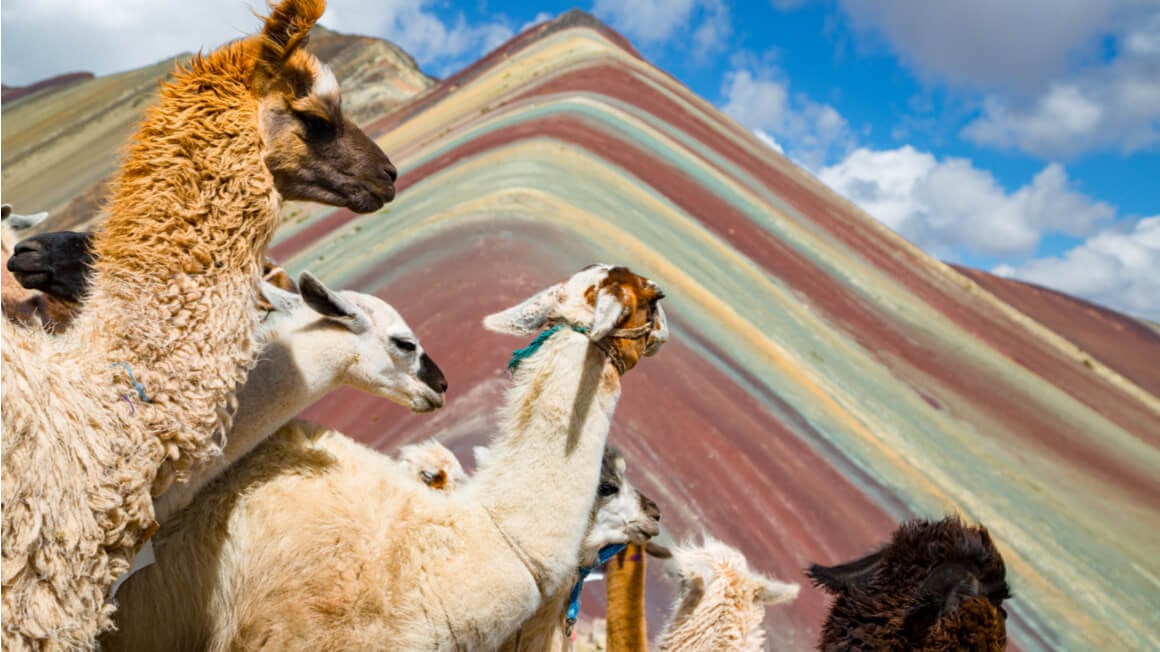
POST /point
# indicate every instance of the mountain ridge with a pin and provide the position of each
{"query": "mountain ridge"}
(825, 378)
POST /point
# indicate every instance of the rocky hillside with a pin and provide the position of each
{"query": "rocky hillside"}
(62, 137)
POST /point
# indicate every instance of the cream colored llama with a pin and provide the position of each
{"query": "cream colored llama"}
(316, 342)
(329, 545)
(621, 515)
(433, 464)
(147, 374)
(720, 604)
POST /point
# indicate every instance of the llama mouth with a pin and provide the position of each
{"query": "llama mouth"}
(31, 278)
(641, 535)
(421, 404)
(369, 197)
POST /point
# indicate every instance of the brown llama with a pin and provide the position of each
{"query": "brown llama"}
(936, 587)
(143, 385)
(626, 628)
(624, 575)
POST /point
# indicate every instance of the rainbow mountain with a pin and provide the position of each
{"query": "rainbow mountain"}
(825, 379)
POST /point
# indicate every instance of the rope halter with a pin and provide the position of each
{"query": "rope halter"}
(635, 333)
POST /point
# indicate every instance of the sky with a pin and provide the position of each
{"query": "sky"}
(1018, 137)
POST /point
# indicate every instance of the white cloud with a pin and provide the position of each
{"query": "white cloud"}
(650, 21)
(654, 22)
(769, 141)
(1117, 268)
(989, 44)
(539, 19)
(48, 37)
(949, 206)
(715, 29)
(414, 27)
(1052, 87)
(812, 132)
(1115, 106)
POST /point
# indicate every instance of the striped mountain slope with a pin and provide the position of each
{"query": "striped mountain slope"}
(825, 379)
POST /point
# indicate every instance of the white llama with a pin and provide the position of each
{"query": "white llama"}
(313, 343)
(330, 545)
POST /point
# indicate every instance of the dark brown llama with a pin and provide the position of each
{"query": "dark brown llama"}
(936, 587)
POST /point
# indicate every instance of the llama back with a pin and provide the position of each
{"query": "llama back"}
(325, 588)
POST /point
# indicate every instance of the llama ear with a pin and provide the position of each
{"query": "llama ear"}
(947, 585)
(277, 276)
(278, 299)
(22, 222)
(332, 305)
(607, 313)
(774, 592)
(695, 568)
(843, 577)
(654, 549)
(659, 335)
(481, 454)
(528, 317)
(287, 29)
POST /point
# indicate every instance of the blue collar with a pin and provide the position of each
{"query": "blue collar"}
(519, 355)
(602, 557)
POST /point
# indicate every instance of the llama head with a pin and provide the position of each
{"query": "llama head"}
(18, 222)
(433, 464)
(620, 310)
(373, 348)
(720, 572)
(276, 276)
(55, 263)
(936, 586)
(313, 151)
(621, 514)
(719, 596)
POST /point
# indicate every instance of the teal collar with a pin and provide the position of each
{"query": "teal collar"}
(602, 557)
(519, 355)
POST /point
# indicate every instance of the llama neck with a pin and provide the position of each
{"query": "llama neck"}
(544, 630)
(193, 196)
(624, 578)
(547, 458)
(177, 261)
(295, 369)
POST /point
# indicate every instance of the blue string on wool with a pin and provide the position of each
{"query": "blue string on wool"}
(519, 355)
(602, 557)
(136, 385)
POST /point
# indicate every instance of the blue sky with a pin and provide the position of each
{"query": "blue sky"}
(1019, 137)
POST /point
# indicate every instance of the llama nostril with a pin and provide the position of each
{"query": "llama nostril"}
(26, 246)
(392, 172)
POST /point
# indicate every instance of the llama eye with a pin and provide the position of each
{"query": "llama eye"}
(403, 345)
(316, 127)
(607, 489)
